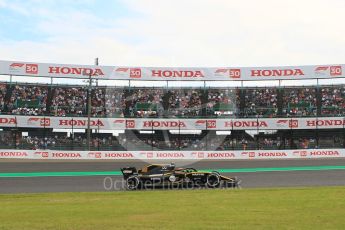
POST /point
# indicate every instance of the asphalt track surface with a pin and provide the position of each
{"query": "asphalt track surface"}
(289, 178)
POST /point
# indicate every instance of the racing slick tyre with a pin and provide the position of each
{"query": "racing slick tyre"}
(213, 180)
(132, 183)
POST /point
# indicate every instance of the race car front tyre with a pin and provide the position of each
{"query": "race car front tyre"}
(213, 180)
(132, 183)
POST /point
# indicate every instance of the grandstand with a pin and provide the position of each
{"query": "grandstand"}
(150, 103)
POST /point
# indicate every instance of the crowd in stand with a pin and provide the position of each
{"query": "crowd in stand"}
(69, 101)
(98, 102)
(188, 142)
(299, 101)
(28, 111)
(9, 139)
(28, 100)
(61, 142)
(2, 97)
(183, 102)
(144, 102)
(20, 99)
(333, 100)
(261, 102)
(225, 99)
(113, 102)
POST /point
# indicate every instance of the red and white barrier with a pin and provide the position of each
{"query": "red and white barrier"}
(171, 155)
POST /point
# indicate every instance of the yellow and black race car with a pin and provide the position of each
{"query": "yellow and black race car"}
(157, 175)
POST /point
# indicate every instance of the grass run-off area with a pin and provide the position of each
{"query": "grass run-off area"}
(276, 208)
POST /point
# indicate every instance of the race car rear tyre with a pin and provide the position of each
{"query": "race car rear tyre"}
(132, 183)
(213, 180)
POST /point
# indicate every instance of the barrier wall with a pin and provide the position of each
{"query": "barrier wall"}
(172, 155)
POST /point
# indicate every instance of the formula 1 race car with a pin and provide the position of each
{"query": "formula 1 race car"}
(157, 175)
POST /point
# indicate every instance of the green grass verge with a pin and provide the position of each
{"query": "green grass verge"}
(277, 208)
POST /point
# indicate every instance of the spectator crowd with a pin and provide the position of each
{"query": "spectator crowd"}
(333, 101)
(261, 102)
(185, 102)
(59, 100)
(61, 141)
(300, 101)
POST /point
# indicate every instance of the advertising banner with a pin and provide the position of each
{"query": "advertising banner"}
(172, 124)
(171, 74)
(171, 155)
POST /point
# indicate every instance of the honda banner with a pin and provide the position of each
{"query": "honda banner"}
(173, 124)
(171, 155)
(164, 73)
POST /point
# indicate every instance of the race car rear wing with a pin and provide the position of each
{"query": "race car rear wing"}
(128, 171)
